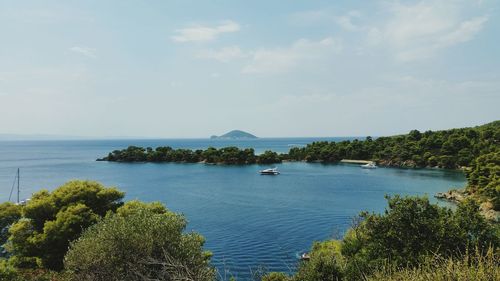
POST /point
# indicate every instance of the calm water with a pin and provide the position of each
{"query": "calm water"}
(247, 219)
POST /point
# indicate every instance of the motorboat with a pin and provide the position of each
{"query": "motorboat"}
(370, 165)
(305, 257)
(270, 171)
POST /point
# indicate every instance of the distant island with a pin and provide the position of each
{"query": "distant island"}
(234, 135)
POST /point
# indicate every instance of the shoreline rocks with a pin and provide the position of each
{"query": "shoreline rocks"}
(456, 196)
(453, 195)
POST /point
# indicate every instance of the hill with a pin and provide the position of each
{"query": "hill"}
(235, 134)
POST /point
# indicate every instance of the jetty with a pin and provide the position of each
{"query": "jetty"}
(350, 161)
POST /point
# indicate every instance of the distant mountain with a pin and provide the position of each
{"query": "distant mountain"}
(234, 135)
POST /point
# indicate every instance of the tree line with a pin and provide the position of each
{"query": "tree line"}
(227, 155)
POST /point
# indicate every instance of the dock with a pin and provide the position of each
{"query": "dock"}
(350, 161)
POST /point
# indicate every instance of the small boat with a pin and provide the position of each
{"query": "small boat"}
(370, 165)
(270, 171)
(305, 257)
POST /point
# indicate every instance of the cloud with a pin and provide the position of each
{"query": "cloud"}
(346, 21)
(279, 60)
(86, 51)
(464, 32)
(225, 54)
(419, 31)
(198, 33)
(315, 17)
(398, 102)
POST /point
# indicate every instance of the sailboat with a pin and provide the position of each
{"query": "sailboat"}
(17, 180)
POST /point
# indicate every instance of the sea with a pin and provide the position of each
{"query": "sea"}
(251, 223)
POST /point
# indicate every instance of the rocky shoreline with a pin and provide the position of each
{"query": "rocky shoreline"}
(454, 195)
(459, 195)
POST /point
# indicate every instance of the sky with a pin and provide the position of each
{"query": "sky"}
(183, 69)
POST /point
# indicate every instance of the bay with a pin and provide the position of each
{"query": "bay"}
(248, 220)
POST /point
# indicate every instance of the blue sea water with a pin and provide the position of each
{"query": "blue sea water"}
(248, 220)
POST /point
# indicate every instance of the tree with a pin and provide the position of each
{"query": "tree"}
(9, 213)
(415, 135)
(50, 221)
(269, 157)
(139, 242)
(325, 263)
(411, 229)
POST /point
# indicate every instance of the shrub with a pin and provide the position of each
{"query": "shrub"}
(139, 242)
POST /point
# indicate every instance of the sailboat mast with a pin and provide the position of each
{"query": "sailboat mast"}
(18, 191)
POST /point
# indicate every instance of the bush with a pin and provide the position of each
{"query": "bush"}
(477, 266)
(140, 242)
(411, 229)
(325, 263)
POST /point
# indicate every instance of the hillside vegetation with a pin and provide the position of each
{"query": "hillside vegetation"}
(449, 149)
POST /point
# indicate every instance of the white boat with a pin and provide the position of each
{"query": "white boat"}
(270, 171)
(305, 256)
(370, 165)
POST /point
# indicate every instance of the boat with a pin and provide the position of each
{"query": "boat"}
(305, 257)
(270, 171)
(370, 165)
(17, 179)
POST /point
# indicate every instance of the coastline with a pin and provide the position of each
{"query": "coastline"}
(456, 196)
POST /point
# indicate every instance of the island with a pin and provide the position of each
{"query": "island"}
(234, 135)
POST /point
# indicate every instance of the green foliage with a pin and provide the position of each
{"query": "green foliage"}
(446, 149)
(269, 157)
(412, 229)
(326, 263)
(405, 241)
(227, 155)
(477, 266)
(50, 221)
(139, 242)
(8, 272)
(275, 276)
(484, 177)
(9, 213)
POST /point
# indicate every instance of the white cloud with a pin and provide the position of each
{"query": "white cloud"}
(199, 33)
(279, 60)
(225, 54)
(315, 17)
(346, 21)
(86, 51)
(419, 31)
(464, 32)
